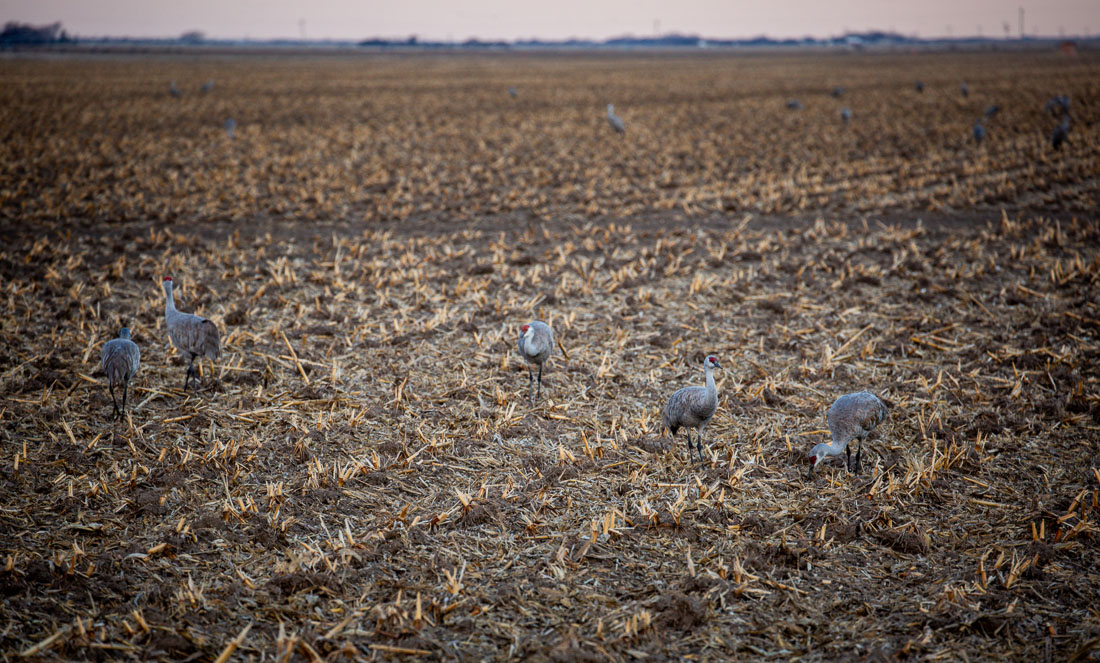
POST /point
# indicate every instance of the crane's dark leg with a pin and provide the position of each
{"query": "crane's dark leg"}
(540, 384)
(190, 372)
(530, 385)
(114, 402)
(859, 456)
(848, 458)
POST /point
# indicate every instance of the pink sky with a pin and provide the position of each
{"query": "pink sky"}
(518, 19)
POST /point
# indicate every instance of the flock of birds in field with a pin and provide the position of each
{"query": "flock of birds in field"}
(851, 417)
(1058, 104)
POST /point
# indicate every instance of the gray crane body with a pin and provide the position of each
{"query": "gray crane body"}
(536, 341)
(614, 120)
(1061, 133)
(852, 416)
(194, 336)
(693, 408)
(121, 359)
(979, 131)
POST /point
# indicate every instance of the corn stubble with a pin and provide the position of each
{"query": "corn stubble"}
(360, 474)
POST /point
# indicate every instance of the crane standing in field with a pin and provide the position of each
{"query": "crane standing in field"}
(536, 340)
(1061, 133)
(693, 407)
(979, 132)
(1058, 104)
(173, 90)
(614, 120)
(850, 417)
(121, 359)
(846, 115)
(193, 335)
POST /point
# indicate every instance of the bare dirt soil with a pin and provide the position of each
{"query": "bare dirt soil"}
(360, 476)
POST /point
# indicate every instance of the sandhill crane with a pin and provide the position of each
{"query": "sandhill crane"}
(965, 89)
(121, 359)
(231, 127)
(513, 92)
(207, 86)
(693, 407)
(794, 104)
(992, 110)
(536, 340)
(175, 91)
(194, 336)
(919, 86)
(846, 115)
(979, 132)
(852, 416)
(1061, 133)
(838, 92)
(614, 120)
(1058, 104)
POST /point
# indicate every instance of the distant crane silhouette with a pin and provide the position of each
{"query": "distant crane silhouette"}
(230, 127)
(965, 89)
(1058, 104)
(992, 111)
(173, 90)
(513, 92)
(206, 87)
(1061, 133)
(838, 92)
(846, 115)
(794, 104)
(614, 120)
(979, 132)
(919, 85)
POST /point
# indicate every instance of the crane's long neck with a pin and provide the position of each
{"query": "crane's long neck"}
(838, 445)
(169, 301)
(711, 389)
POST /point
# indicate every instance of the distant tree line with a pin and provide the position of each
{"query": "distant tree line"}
(662, 41)
(21, 34)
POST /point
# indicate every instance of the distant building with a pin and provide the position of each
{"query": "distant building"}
(1068, 47)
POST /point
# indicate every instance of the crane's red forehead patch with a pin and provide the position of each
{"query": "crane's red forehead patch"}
(167, 278)
(525, 328)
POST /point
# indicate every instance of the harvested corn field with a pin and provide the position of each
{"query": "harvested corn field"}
(360, 476)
